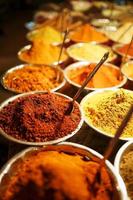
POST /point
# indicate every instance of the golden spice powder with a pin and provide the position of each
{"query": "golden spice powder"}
(47, 34)
(126, 171)
(42, 53)
(31, 78)
(106, 111)
(107, 76)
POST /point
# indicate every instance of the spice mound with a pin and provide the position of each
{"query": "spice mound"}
(126, 49)
(87, 33)
(126, 171)
(39, 118)
(106, 76)
(47, 34)
(118, 35)
(106, 110)
(89, 52)
(42, 53)
(127, 70)
(32, 77)
(52, 175)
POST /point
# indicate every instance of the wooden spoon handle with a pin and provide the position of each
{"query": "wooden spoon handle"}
(90, 76)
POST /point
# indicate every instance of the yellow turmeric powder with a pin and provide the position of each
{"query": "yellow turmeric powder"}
(42, 53)
(47, 34)
(107, 109)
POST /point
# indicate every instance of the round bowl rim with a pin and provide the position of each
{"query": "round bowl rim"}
(119, 181)
(24, 65)
(11, 138)
(27, 47)
(85, 63)
(80, 44)
(91, 125)
(115, 49)
(122, 68)
(120, 153)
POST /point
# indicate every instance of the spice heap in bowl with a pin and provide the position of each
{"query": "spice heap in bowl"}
(124, 166)
(127, 70)
(107, 76)
(39, 118)
(26, 78)
(90, 52)
(87, 33)
(64, 171)
(104, 111)
(41, 53)
(119, 36)
(47, 34)
(124, 49)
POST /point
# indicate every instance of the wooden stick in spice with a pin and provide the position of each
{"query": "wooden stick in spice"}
(125, 57)
(61, 50)
(89, 77)
(113, 142)
(124, 32)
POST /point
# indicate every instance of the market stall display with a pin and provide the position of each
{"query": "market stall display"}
(39, 116)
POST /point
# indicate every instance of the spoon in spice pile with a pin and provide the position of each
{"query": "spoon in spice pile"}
(113, 142)
(87, 80)
(61, 50)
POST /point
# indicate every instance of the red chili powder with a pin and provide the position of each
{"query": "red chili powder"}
(39, 118)
(124, 49)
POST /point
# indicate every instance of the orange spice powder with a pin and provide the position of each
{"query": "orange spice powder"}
(42, 53)
(87, 33)
(105, 77)
(53, 175)
(126, 48)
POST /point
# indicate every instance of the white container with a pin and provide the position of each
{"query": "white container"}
(85, 63)
(9, 167)
(9, 137)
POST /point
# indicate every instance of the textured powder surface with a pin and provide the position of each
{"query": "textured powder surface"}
(39, 118)
(106, 111)
(105, 77)
(126, 171)
(57, 176)
(32, 78)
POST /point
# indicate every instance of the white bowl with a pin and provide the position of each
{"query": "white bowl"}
(124, 149)
(68, 148)
(97, 94)
(124, 69)
(27, 47)
(85, 63)
(11, 138)
(116, 47)
(82, 45)
(22, 66)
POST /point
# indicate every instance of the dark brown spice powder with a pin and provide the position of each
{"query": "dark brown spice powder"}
(39, 118)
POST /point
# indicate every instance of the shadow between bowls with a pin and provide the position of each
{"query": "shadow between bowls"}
(13, 139)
